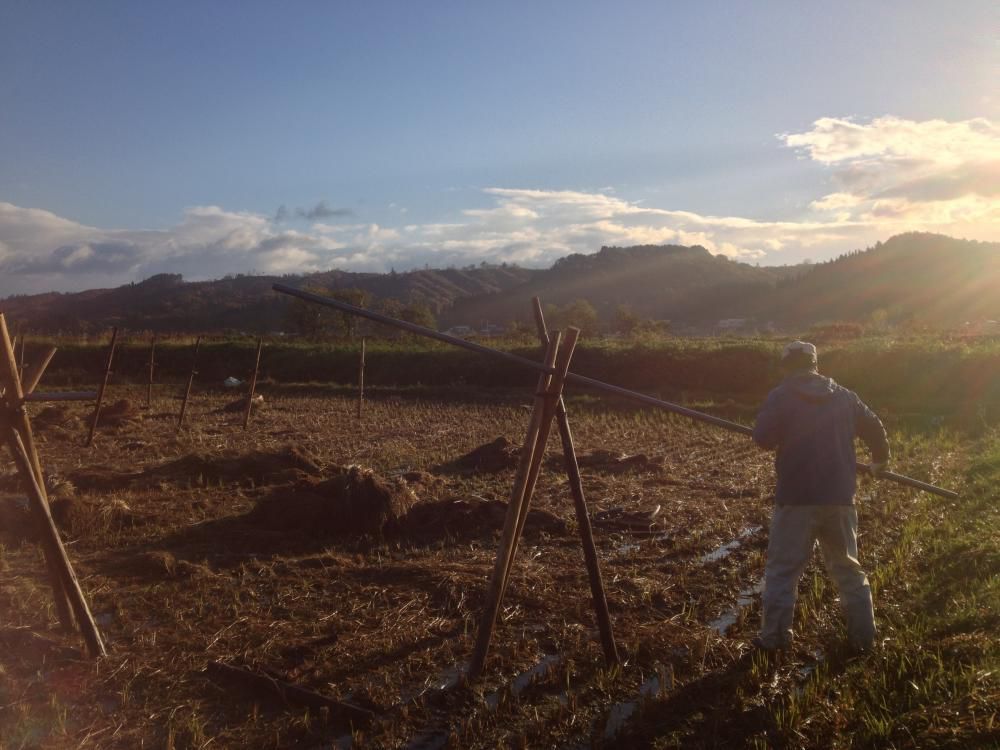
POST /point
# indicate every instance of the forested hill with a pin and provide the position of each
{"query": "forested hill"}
(654, 281)
(243, 303)
(921, 278)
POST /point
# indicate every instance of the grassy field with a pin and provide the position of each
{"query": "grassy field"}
(215, 544)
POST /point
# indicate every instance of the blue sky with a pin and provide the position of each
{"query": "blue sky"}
(140, 137)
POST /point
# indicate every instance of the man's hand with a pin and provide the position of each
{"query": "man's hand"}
(876, 469)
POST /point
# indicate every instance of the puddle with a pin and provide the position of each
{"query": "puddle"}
(627, 547)
(523, 681)
(622, 712)
(729, 547)
(743, 600)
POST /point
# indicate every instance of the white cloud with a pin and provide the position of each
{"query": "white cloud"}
(890, 175)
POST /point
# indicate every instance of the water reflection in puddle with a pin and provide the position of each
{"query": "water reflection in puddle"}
(743, 600)
(726, 549)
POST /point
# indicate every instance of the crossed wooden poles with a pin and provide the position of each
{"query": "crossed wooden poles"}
(15, 430)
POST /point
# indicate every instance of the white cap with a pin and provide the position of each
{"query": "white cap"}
(799, 348)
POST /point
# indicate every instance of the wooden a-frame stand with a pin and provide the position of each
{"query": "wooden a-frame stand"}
(15, 431)
(548, 405)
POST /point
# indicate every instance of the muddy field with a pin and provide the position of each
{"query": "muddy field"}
(351, 558)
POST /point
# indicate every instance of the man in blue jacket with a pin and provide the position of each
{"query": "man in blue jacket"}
(812, 422)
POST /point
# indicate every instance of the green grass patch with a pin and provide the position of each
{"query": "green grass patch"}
(934, 682)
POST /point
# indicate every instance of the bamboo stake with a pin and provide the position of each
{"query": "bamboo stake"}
(253, 383)
(104, 387)
(152, 367)
(22, 337)
(503, 558)
(187, 391)
(54, 546)
(36, 375)
(361, 378)
(582, 516)
(13, 395)
(539, 451)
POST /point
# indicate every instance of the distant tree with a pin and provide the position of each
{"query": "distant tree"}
(419, 314)
(626, 320)
(580, 314)
(309, 319)
(346, 323)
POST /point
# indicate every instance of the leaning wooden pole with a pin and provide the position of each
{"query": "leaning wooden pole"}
(17, 418)
(503, 559)
(361, 378)
(152, 368)
(54, 546)
(104, 387)
(582, 516)
(31, 383)
(187, 391)
(539, 452)
(253, 383)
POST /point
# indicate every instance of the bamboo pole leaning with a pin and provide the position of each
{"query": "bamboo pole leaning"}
(571, 377)
(15, 417)
(187, 391)
(253, 383)
(582, 516)
(103, 387)
(506, 547)
(37, 372)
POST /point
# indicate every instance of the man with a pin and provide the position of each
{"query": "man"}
(812, 422)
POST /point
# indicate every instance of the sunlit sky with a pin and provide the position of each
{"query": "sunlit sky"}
(207, 138)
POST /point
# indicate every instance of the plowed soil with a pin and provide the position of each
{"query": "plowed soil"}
(351, 558)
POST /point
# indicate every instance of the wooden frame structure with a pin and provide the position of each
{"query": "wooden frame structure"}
(15, 429)
(548, 404)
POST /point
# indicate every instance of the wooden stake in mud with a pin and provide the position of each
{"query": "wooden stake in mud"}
(187, 391)
(558, 358)
(361, 378)
(582, 516)
(103, 388)
(20, 340)
(253, 383)
(152, 367)
(14, 417)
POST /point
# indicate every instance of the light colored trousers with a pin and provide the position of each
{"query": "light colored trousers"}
(794, 531)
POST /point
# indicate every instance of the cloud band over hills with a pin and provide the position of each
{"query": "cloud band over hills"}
(887, 175)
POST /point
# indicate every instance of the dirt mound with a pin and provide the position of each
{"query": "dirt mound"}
(490, 458)
(82, 517)
(354, 501)
(50, 416)
(203, 470)
(117, 414)
(611, 462)
(471, 518)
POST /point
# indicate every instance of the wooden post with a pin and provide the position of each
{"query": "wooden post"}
(36, 375)
(18, 418)
(582, 516)
(152, 367)
(361, 378)
(520, 499)
(253, 383)
(187, 391)
(104, 387)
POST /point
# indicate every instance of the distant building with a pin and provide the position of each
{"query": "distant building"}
(460, 331)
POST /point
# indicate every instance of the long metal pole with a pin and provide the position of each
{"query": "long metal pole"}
(571, 377)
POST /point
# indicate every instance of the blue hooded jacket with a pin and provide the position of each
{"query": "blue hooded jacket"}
(812, 422)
